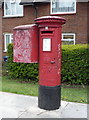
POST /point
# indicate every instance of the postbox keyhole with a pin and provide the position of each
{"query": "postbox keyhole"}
(53, 61)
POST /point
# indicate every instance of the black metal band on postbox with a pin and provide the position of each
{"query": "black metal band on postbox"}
(49, 97)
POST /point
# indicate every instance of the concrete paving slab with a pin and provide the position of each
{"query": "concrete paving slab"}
(40, 113)
(13, 105)
(22, 106)
(16, 100)
(7, 107)
(74, 110)
(10, 112)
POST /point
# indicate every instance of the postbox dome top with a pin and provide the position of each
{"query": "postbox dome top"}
(49, 19)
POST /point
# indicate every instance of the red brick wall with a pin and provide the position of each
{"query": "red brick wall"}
(0, 35)
(43, 10)
(88, 21)
(75, 23)
(10, 23)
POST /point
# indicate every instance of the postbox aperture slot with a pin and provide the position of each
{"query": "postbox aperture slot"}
(46, 32)
(46, 44)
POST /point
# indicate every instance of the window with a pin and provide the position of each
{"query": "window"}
(8, 38)
(63, 6)
(12, 8)
(68, 38)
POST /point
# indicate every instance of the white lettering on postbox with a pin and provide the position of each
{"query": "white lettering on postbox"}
(46, 44)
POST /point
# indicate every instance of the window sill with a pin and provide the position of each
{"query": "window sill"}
(68, 40)
(62, 13)
(4, 51)
(15, 16)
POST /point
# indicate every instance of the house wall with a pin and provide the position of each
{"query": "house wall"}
(78, 23)
(75, 23)
(88, 20)
(0, 35)
(10, 23)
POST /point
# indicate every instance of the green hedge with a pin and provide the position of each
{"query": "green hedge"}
(74, 65)
(26, 72)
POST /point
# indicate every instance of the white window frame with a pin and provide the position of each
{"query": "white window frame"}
(72, 12)
(14, 15)
(69, 39)
(5, 43)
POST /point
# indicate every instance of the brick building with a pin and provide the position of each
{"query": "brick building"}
(16, 12)
(0, 32)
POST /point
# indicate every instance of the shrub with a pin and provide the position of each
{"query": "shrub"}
(24, 71)
(74, 65)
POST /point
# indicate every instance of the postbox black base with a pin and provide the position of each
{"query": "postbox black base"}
(49, 97)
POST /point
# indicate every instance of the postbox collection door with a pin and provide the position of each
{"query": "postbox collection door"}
(50, 56)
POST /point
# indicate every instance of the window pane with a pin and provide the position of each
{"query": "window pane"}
(19, 8)
(13, 10)
(7, 8)
(55, 6)
(67, 42)
(7, 40)
(68, 37)
(63, 6)
(11, 38)
(12, 7)
(66, 7)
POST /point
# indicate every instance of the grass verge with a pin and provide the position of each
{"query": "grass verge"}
(67, 94)
(14, 86)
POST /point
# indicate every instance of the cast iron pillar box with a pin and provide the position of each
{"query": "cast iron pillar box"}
(50, 29)
(25, 44)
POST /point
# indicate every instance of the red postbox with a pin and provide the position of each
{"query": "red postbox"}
(25, 43)
(50, 29)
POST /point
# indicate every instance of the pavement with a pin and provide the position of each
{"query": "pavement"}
(23, 106)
